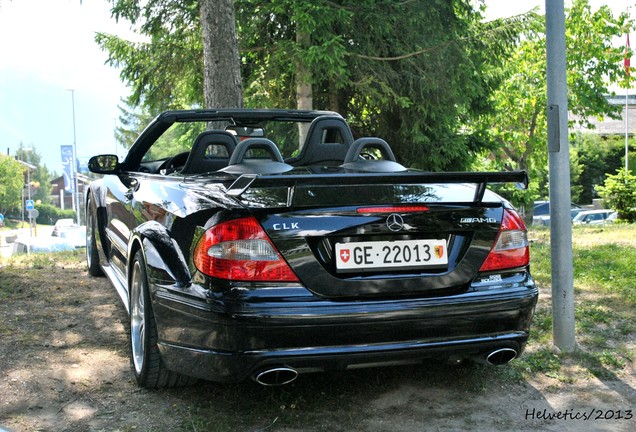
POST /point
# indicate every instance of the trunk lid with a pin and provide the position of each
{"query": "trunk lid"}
(387, 235)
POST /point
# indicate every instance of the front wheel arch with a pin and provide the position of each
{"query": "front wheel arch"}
(92, 249)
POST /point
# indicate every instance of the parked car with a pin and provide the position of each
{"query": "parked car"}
(234, 261)
(75, 236)
(541, 215)
(62, 225)
(42, 244)
(594, 217)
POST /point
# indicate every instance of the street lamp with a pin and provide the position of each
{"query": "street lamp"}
(76, 199)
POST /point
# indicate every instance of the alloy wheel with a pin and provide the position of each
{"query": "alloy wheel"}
(137, 319)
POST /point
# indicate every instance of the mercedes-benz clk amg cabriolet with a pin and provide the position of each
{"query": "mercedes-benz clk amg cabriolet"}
(234, 261)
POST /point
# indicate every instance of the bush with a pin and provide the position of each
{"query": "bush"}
(597, 156)
(619, 193)
(49, 214)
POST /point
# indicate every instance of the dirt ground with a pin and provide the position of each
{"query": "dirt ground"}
(64, 367)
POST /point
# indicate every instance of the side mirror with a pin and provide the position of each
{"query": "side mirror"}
(104, 164)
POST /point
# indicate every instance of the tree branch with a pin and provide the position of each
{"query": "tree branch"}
(509, 22)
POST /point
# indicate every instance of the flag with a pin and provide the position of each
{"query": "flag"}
(626, 61)
(67, 164)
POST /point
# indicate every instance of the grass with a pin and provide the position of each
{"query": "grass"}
(605, 310)
(10, 224)
(605, 305)
(43, 260)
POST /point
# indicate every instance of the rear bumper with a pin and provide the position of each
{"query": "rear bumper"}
(236, 335)
(234, 367)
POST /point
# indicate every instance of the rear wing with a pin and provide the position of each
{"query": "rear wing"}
(481, 179)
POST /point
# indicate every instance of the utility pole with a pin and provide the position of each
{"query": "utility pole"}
(76, 198)
(626, 115)
(559, 172)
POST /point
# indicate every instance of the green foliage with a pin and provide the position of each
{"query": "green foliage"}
(417, 74)
(576, 169)
(131, 123)
(597, 156)
(517, 128)
(40, 177)
(49, 214)
(605, 296)
(178, 138)
(436, 82)
(164, 75)
(28, 154)
(12, 175)
(619, 193)
(42, 183)
(410, 72)
(544, 361)
(593, 61)
(165, 70)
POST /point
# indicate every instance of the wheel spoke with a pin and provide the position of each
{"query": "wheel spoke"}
(89, 234)
(137, 321)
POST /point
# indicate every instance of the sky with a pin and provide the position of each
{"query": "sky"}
(50, 66)
(47, 49)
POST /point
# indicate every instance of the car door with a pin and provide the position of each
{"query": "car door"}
(120, 220)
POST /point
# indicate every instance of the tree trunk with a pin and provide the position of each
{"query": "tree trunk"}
(222, 74)
(304, 95)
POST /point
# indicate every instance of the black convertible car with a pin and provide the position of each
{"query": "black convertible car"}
(268, 243)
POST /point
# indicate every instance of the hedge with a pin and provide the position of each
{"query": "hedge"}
(49, 214)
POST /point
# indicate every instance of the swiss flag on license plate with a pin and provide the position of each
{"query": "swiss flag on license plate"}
(345, 255)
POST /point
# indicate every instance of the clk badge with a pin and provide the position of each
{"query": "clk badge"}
(395, 222)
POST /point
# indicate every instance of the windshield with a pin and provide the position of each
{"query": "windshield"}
(180, 136)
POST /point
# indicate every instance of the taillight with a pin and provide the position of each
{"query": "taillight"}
(240, 250)
(511, 248)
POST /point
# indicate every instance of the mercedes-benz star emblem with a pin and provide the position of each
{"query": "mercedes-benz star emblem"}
(395, 222)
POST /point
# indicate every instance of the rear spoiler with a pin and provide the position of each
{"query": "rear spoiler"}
(481, 179)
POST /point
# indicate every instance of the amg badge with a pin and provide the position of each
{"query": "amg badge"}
(478, 220)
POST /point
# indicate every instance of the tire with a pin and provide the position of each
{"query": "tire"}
(92, 254)
(148, 367)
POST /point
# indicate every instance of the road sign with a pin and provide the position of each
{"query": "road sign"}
(33, 214)
(30, 205)
(1, 218)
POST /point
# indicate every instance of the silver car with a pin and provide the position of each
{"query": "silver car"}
(594, 217)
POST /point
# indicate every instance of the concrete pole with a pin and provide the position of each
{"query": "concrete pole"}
(559, 163)
(627, 129)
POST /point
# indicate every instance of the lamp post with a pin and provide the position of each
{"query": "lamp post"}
(563, 328)
(76, 199)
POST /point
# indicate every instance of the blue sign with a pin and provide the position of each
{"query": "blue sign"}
(30, 205)
(69, 168)
(1, 218)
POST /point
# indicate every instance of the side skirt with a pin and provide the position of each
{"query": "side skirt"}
(118, 282)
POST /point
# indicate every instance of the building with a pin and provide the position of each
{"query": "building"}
(59, 197)
(62, 199)
(607, 126)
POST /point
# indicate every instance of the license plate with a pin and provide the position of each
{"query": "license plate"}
(395, 255)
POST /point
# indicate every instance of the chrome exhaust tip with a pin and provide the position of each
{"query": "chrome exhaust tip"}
(501, 356)
(276, 376)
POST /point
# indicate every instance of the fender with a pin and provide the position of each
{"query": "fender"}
(98, 192)
(163, 256)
